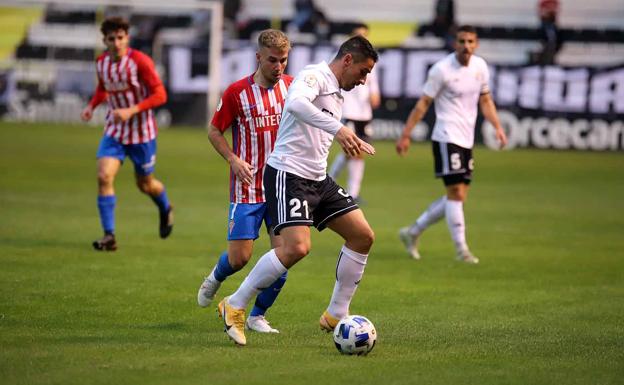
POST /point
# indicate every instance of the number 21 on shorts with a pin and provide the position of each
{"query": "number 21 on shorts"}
(299, 208)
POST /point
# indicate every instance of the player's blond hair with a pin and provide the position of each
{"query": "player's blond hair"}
(272, 38)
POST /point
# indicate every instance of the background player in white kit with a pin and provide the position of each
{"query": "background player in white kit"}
(298, 192)
(456, 84)
(357, 113)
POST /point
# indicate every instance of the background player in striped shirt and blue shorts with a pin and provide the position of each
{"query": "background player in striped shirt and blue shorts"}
(252, 107)
(128, 81)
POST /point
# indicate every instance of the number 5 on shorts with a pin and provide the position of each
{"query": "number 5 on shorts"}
(455, 161)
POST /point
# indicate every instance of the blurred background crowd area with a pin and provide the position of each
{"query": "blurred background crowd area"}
(566, 32)
(548, 58)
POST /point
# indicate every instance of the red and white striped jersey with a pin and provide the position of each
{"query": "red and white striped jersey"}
(254, 113)
(125, 83)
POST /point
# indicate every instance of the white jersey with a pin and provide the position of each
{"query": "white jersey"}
(456, 90)
(357, 102)
(302, 148)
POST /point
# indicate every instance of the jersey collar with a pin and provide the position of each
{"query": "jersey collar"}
(332, 86)
(251, 81)
(127, 54)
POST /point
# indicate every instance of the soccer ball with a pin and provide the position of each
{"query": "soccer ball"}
(355, 334)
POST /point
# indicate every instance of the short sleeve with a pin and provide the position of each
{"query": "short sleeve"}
(373, 82)
(434, 82)
(485, 81)
(226, 111)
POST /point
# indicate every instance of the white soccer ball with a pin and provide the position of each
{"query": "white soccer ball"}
(355, 334)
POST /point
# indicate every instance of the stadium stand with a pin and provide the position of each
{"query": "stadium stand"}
(75, 15)
(592, 35)
(521, 13)
(586, 29)
(68, 38)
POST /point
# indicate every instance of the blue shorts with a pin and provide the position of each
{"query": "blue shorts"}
(143, 155)
(245, 220)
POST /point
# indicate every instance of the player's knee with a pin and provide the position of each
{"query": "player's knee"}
(362, 241)
(455, 193)
(297, 251)
(144, 185)
(105, 178)
(367, 238)
(238, 260)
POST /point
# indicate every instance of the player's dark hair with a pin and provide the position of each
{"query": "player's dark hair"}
(359, 47)
(114, 23)
(466, 28)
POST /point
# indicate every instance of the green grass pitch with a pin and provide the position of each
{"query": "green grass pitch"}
(545, 306)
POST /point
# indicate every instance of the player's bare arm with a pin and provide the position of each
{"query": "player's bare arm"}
(375, 100)
(418, 112)
(488, 108)
(242, 169)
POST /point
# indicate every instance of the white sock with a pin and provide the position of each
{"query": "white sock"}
(336, 167)
(434, 213)
(356, 174)
(348, 275)
(455, 223)
(267, 270)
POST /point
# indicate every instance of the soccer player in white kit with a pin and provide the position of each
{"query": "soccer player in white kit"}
(456, 84)
(298, 192)
(357, 113)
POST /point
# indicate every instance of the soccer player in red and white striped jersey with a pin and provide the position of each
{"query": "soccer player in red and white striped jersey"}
(128, 81)
(252, 108)
(253, 111)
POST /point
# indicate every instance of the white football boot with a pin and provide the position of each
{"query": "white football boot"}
(467, 256)
(410, 242)
(259, 324)
(207, 291)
